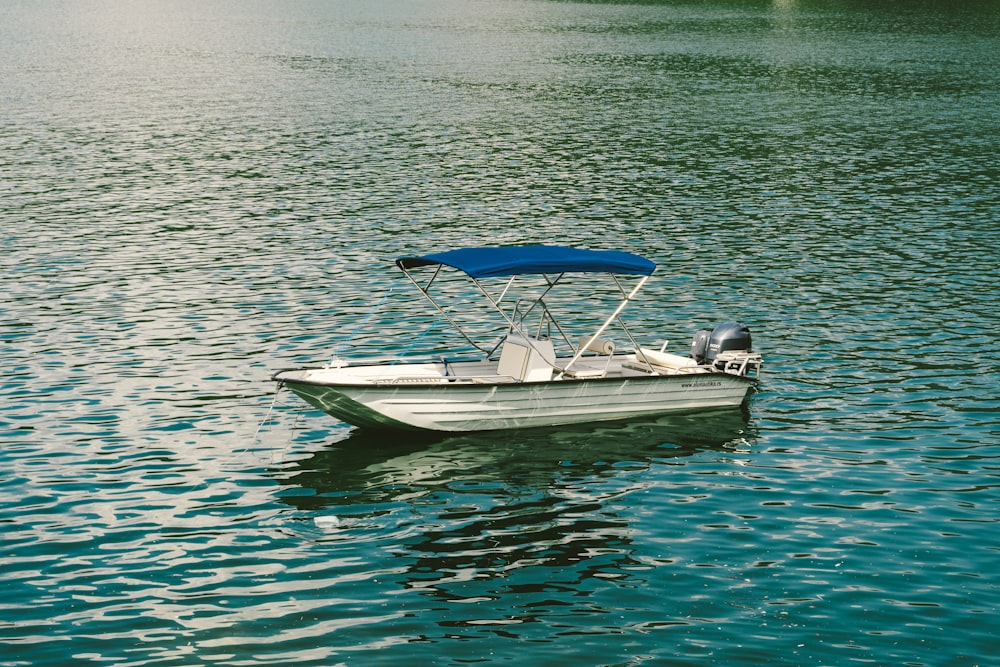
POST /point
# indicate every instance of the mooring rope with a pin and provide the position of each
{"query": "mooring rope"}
(357, 327)
(442, 314)
(419, 338)
(267, 418)
(270, 411)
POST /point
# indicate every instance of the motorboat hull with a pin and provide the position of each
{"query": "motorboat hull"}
(458, 406)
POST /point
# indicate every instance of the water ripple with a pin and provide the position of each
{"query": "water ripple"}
(192, 200)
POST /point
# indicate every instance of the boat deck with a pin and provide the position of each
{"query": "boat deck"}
(486, 372)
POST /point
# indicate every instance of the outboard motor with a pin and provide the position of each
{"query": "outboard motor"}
(699, 345)
(726, 337)
(707, 344)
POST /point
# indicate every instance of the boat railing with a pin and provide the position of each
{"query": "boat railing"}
(740, 363)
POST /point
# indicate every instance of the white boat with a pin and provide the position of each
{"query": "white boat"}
(536, 374)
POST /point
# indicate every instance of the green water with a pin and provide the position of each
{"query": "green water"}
(197, 194)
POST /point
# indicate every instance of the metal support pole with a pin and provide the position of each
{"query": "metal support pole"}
(606, 324)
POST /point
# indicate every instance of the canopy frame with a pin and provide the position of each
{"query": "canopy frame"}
(480, 263)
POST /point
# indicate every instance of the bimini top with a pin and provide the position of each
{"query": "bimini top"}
(492, 262)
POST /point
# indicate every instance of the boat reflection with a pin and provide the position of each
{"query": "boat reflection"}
(392, 463)
(503, 520)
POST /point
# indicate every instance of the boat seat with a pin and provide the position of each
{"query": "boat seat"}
(581, 371)
(526, 359)
(673, 362)
(602, 347)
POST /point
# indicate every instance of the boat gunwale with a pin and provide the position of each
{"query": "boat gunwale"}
(488, 381)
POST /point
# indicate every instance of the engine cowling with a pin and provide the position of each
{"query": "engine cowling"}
(728, 336)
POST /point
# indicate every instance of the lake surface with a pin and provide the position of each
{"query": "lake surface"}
(195, 195)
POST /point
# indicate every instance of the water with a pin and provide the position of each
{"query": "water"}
(197, 194)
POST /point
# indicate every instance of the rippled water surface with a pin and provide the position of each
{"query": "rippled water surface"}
(197, 194)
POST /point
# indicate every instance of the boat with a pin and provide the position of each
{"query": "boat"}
(536, 373)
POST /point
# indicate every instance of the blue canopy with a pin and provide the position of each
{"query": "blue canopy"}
(491, 262)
